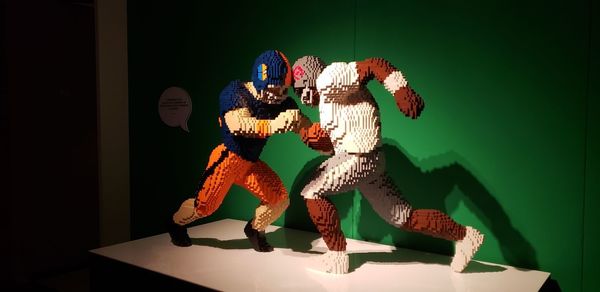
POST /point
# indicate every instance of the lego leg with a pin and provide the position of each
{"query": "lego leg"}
(434, 223)
(386, 200)
(340, 173)
(325, 217)
(263, 182)
(337, 174)
(438, 224)
(465, 249)
(223, 167)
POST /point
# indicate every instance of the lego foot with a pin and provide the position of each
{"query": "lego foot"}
(333, 262)
(257, 238)
(465, 249)
(179, 235)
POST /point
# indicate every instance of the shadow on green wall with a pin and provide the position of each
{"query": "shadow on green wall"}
(424, 189)
(431, 190)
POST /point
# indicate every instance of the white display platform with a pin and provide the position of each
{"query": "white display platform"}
(221, 258)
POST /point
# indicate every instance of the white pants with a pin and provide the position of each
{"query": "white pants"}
(366, 172)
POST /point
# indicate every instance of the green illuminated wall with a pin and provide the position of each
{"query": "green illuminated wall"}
(506, 142)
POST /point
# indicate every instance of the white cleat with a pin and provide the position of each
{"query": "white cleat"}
(465, 249)
(334, 262)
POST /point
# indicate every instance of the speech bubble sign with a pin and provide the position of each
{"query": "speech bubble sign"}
(175, 107)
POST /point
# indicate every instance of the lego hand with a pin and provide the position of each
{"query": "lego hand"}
(286, 121)
(409, 102)
(317, 139)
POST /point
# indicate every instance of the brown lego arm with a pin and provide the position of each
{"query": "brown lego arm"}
(408, 101)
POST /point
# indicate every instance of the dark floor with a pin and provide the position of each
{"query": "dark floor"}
(73, 281)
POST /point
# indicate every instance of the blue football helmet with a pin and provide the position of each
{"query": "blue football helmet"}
(271, 68)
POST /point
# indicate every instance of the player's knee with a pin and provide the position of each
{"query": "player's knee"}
(281, 204)
(282, 201)
(204, 210)
(399, 214)
(283, 195)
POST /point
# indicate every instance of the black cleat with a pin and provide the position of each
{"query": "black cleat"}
(257, 238)
(178, 233)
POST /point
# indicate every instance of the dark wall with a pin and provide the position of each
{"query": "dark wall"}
(5, 207)
(506, 142)
(591, 229)
(49, 111)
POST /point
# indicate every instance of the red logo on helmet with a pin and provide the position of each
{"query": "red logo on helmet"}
(298, 72)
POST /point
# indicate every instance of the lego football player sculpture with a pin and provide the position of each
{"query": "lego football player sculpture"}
(250, 112)
(350, 116)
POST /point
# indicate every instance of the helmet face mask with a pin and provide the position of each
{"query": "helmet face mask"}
(306, 70)
(273, 94)
(272, 77)
(309, 95)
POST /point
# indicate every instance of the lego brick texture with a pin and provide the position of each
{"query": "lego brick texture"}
(499, 146)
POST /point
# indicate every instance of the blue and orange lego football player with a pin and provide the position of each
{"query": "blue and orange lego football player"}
(250, 112)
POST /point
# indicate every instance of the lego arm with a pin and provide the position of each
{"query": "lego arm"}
(407, 100)
(241, 123)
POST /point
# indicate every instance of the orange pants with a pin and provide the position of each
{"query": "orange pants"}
(226, 168)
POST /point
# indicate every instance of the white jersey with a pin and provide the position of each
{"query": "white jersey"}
(348, 112)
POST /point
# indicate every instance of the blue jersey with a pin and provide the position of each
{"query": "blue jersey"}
(236, 95)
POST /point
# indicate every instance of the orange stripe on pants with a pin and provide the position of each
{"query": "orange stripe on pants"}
(257, 177)
(263, 183)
